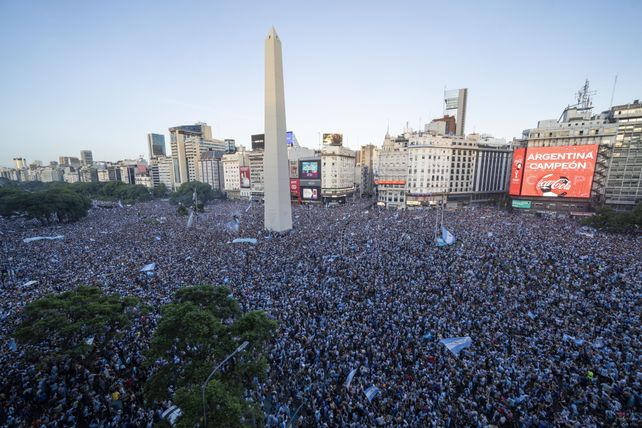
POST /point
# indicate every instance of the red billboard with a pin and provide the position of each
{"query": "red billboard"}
(516, 173)
(245, 176)
(565, 171)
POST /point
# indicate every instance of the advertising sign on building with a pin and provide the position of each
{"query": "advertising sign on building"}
(310, 169)
(517, 171)
(565, 171)
(294, 186)
(521, 204)
(333, 139)
(310, 193)
(245, 176)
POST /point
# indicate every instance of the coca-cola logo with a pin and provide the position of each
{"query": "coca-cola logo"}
(554, 185)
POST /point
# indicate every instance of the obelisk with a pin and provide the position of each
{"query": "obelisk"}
(278, 212)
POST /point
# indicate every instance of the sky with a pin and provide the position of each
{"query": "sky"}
(100, 75)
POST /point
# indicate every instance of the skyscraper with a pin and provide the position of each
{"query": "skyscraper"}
(156, 145)
(187, 143)
(86, 158)
(278, 212)
(455, 105)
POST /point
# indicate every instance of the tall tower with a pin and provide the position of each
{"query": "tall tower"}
(455, 105)
(278, 212)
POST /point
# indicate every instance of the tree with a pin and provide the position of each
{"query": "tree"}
(196, 332)
(48, 205)
(184, 194)
(619, 222)
(160, 191)
(70, 322)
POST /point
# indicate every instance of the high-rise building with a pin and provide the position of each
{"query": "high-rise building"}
(233, 165)
(623, 187)
(337, 173)
(455, 106)
(86, 158)
(257, 174)
(577, 126)
(211, 169)
(21, 163)
(392, 172)
(366, 161)
(156, 145)
(187, 143)
(69, 161)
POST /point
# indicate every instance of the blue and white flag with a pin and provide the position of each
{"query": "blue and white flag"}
(447, 237)
(457, 344)
(530, 315)
(350, 376)
(12, 345)
(371, 392)
(568, 338)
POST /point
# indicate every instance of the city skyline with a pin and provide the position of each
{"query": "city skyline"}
(105, 76)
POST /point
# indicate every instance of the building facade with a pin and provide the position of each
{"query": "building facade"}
(155, 145)
(337, 173)
(623, 187)
(86, 158)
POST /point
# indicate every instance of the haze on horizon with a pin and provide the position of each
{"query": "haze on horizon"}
(100, 76)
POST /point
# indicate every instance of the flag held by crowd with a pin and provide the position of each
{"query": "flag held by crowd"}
(349, 378)
(457, 344)
(371, 392)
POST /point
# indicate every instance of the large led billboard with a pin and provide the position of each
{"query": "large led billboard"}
(517, 171)
(245, 176)
(565, 171)
(310, 169)
(333, 139)
(310, 193)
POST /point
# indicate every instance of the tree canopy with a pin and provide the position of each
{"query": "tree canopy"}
(47, 205)
(620, 222)
(185, 192)
(70, 321)
(197, 331)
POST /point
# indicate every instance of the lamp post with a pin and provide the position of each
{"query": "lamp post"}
(237, 350)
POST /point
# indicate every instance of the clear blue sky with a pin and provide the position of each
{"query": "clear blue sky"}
(99, 75)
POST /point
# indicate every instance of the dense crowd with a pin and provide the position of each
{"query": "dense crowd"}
(553, 314)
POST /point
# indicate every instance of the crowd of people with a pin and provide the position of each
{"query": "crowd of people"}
(363, 298)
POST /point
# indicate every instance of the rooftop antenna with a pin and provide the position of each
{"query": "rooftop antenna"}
(585, 97)
(613, 91)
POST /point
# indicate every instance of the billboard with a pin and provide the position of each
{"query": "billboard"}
(258, 142)
(310, 193)
(515, 203)
(565, 171)
(310, 169)
(333, 139)
(517, 171)
(294, 186)
(245, 176)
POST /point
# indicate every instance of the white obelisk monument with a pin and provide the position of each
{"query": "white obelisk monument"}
(278, 212)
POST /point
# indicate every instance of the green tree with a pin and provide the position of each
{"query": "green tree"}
(202, 326)
(48, 205)
(184, 194)
(619, 222)
(71, 322)
(160, 191)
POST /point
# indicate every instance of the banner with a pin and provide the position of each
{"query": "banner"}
(517, 171)
(244, 171)
(565, 171)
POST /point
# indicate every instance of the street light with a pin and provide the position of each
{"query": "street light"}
(237, 350)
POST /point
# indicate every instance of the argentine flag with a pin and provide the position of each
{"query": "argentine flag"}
(457, 344)
(371, 392)
(447, 237)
